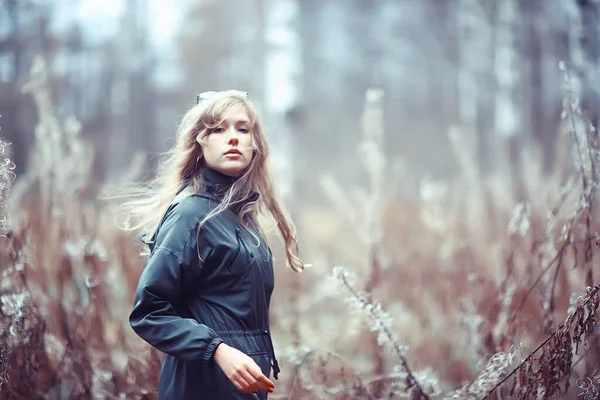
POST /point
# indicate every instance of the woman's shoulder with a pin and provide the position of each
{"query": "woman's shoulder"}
(189, 210)
(179, 224)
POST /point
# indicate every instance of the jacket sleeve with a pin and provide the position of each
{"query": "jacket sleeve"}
(168, 272)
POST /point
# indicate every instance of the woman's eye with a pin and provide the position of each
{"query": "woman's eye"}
(217, 130)
(243, 130)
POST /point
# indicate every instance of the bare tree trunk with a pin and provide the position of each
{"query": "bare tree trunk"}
(533, 47)
(283, 72)
(373, 129)
(508, 118)
(10, 121)
(260, 50)
(13, 9)
(542, 68)
(282, 93)
(470, 18)
(473, 55)
(590, 42)
(576, 51)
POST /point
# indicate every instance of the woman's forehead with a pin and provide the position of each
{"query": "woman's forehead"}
(234, 113)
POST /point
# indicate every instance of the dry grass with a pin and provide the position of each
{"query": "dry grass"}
(465, 288)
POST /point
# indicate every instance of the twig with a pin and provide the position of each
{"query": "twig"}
(412, 380)
(591, 295)
(560, 258)
(550, 263)
(72, 339)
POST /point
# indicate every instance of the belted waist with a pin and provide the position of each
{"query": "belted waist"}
(251, 341)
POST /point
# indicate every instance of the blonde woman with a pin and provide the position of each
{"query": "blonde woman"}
(203, 297)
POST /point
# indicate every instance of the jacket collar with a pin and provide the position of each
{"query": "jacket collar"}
(217, 183)
(215, 186)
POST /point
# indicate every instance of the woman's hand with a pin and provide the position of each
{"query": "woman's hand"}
(241, 370)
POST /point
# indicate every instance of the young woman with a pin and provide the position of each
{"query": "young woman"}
(203, 297)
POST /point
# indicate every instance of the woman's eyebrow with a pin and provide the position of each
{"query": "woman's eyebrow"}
(235, 122)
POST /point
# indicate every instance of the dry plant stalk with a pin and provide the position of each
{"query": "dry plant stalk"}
(65, 270)
(545, 374)
(374, 161)
(59, 332)
(373, 201)
(379, 321)
(7, 177)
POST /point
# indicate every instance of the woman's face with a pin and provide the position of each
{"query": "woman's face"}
(227, 148)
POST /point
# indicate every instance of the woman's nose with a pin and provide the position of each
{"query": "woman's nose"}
(232, 135)
(233, 139)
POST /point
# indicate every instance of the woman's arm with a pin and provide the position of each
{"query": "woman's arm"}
(166, 275)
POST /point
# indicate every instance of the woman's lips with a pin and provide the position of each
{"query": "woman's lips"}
(233, 152)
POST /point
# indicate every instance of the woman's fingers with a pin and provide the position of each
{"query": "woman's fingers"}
(266, 381)
(254, 379)
(258, 385)
(253, 387)
(259, 380)
(240, 383)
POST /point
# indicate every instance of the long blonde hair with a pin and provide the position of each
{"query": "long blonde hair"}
(180, 165)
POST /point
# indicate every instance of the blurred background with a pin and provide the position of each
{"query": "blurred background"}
(439, 150)
(128, 69)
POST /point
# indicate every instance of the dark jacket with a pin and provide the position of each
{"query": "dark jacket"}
(186, 308)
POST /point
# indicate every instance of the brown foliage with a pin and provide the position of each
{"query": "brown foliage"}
(68, 277)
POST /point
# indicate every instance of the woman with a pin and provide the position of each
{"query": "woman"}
(203, 297)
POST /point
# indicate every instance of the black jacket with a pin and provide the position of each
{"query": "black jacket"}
(186, 308)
